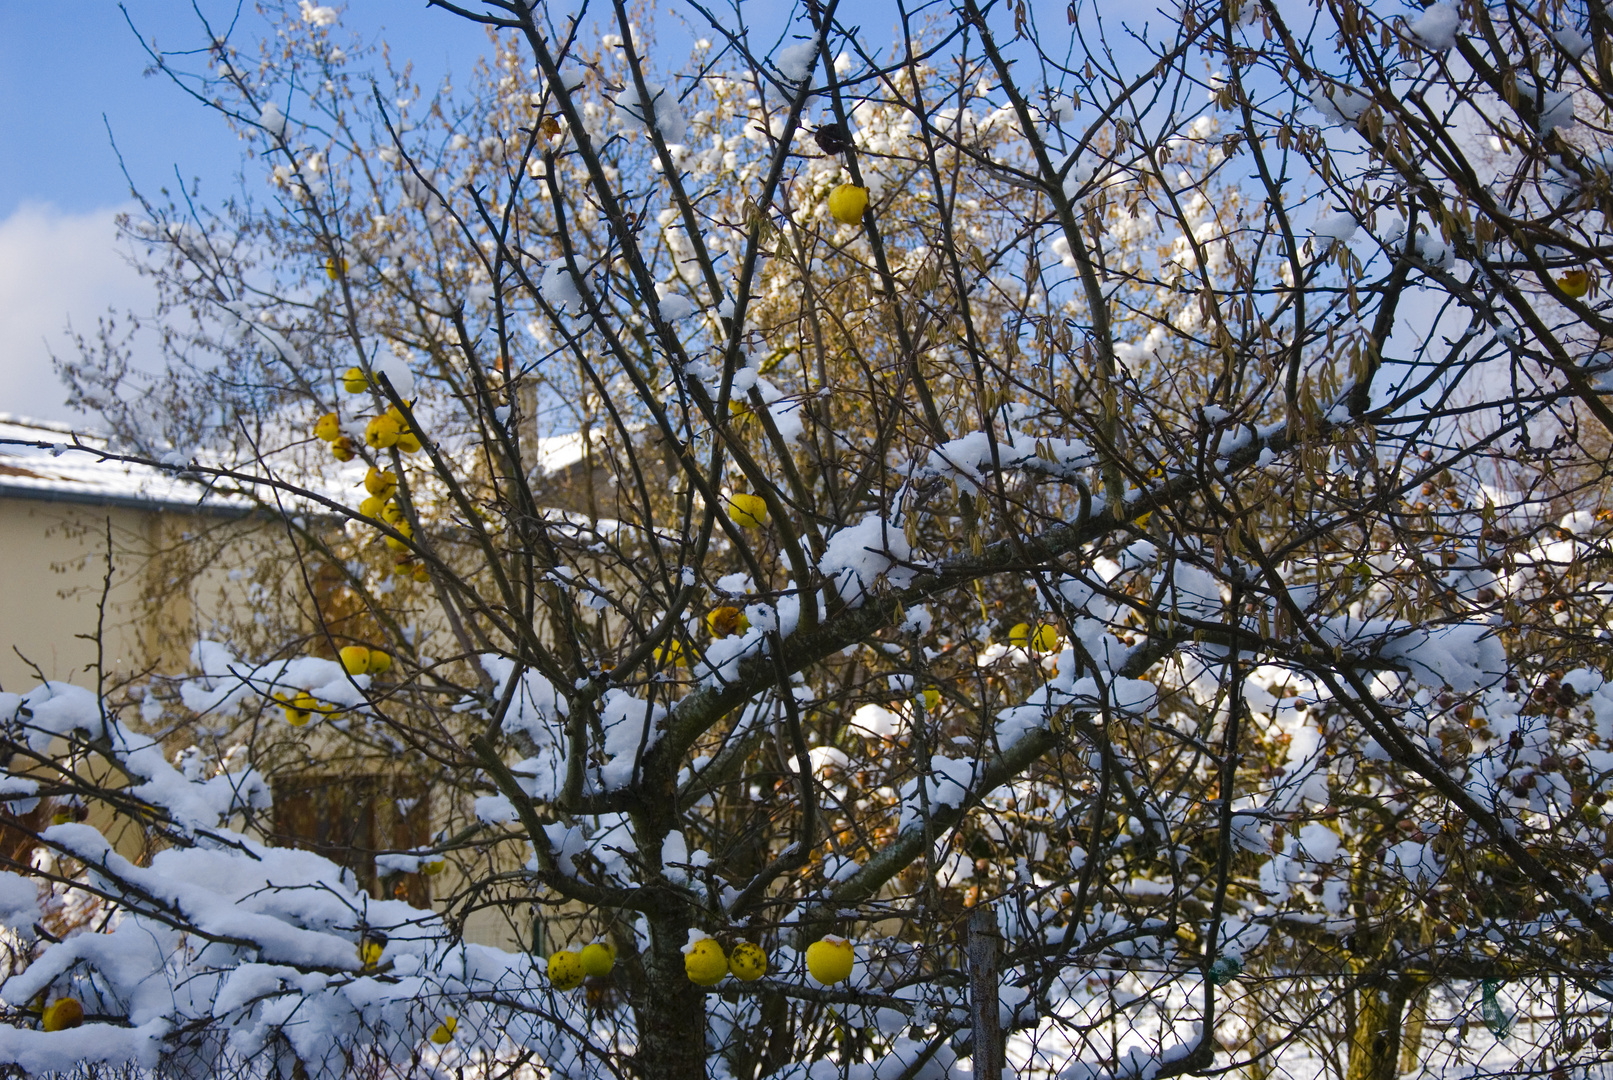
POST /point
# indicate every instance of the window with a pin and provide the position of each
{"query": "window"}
(349, 819)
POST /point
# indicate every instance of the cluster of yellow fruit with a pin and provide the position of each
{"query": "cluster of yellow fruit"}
(391, 429)
(62, 1014)
(1045, 638)
(301, 706)
(847, 203)
(705, 962)
(568, 966)
(356, 660)
(328, 429)
(363, 660)
(382, 485)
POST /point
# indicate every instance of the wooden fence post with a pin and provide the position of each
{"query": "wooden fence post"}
(988, 1035)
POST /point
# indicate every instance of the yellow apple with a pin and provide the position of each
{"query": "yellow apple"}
(705, 963)
(565, 969)
(830, 959)
(748, 962)
(847, 203)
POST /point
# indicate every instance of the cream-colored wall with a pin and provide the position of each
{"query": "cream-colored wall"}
(176, 574)
(52, 572)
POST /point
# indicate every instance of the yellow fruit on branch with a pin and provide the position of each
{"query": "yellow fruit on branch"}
(670, 654)
(381, 432)
(328, 427)
(704, 962)
(445, 1031)
(354, 380)
(336, 267)
(300, 708)
(394, 542)
(342, 449)
(380, 482)
(370, 948)
(748, 962)
(355, 659)
(421, 574)
(830, 959)
(408, 442)
(432, 865)
(1576, 282)
(747, 511)
(565, 969)
(1046, 638)
(598, 958)
(847, 203)
(62, 1014)
(932, 698)
(1019, 636)
(363, 660)
(726, 622)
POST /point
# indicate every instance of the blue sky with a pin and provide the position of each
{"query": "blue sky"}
(66, 65)
(72, 80)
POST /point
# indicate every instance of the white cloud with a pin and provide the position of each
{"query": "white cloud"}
(56, 267)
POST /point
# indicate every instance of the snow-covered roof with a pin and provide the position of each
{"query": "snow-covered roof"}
(53, 462)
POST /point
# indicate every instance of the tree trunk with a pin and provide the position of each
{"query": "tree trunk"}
(988, 1042)
(1411, 1043)
(1375, 1042)
(670, 1010)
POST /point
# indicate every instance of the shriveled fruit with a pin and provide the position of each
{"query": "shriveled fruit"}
(726, 621)
(1575, 282)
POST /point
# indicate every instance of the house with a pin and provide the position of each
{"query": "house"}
(107, 570)
(114, 571)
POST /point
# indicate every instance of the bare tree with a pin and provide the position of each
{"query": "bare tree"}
(1147, 481)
